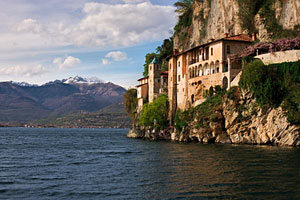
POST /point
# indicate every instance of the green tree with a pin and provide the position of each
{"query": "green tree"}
(148, 59)
(185, 14)
(130, 102)
(156, 111)
(163, 51)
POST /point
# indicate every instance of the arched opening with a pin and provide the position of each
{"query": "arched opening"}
(190, 73)
(217, 66)
(200, 70)
(225, 82)
(206, 69)
(193, 98)
(212, 68)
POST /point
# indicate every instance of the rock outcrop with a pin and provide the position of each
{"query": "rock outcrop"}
(239, 121)
(213, 18)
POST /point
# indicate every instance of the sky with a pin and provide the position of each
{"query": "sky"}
(42, 41)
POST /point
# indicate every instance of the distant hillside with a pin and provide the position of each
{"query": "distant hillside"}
(112, 116)
(22, 103)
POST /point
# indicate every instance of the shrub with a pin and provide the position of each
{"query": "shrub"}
(156, 111)
(273, 85)
(130, 102)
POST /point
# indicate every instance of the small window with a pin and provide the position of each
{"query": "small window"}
(212, 51)
(183, 89)
(228, 49)
(150, 67)
(178, 78)
(179, 64)
(170, 66)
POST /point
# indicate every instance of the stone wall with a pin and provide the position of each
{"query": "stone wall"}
(280, 57)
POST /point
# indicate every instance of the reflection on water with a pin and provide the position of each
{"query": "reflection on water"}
(103, 164)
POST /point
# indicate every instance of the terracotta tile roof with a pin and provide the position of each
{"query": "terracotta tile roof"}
(241, 37)
(165, 72)
(146, 77)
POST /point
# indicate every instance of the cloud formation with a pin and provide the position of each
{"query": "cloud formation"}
(108, 25)
(105, 61)
(69, 62)
(28, 71)
(117, 55)
(30, 25)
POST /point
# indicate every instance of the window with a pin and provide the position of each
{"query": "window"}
(182, 75)
(212, 51)
(179, 64)
(150, 67)
(178, 78)
(228, 49)
(183, 89)
(170, 66)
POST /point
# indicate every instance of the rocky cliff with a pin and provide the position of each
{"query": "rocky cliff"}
(270, 19)
(234, 120)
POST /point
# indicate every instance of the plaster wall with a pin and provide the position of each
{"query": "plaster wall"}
(280, 57)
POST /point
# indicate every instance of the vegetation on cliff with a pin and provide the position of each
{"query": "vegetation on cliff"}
(274, 85)
(204, 113)
(266, 10)
(162, 52)
(130, 102)
(155, 113)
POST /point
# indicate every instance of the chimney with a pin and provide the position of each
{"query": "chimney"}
(253, 36)
(226, 35)
(175, 51)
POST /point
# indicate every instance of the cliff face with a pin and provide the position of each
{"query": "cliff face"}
(214, 18)
(252, 125)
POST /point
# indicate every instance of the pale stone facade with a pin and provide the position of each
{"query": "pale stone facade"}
(154, 80)
(197, 69)
(152, 86)
(142, 93)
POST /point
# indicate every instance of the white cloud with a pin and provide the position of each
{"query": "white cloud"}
(117, 55)
(30, 25)
(123, 24)
(134, 1)
(106, 25)
(27, 71)
(69, 62)
(105, 61)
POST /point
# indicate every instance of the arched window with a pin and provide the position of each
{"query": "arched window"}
(206, 69)
(212, 68)
(225, 82)
(200, 70)
(217, 66)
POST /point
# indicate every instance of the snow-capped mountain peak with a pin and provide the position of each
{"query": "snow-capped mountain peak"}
(23, 84)
(78, 79)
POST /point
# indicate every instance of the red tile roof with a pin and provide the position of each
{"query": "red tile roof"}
(241, 37)
(143, 78)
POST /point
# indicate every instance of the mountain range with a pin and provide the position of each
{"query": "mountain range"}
(23, 102)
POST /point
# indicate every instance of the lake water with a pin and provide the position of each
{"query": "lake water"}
(104, 164)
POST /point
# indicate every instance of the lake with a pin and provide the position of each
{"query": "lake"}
(104, 164)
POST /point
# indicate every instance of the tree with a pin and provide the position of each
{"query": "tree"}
(185, 11)
(148, 59)
(155, 112)
(130, 102)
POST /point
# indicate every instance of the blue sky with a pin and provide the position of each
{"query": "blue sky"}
(41, 41)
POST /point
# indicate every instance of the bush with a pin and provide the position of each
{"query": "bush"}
(181, 119)
(273, 85)
(130, 102)
(156, 111)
